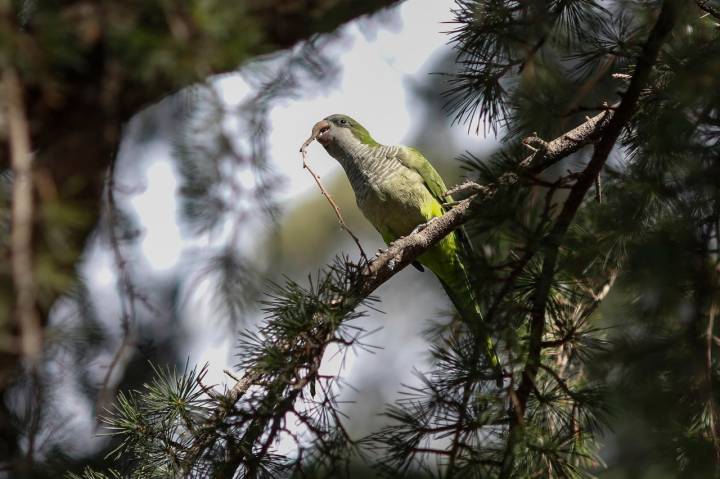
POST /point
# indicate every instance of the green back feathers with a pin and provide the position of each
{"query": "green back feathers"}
(415, 160)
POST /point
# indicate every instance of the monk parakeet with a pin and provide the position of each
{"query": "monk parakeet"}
(397, 189)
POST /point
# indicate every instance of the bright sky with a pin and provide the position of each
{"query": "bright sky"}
(372, 86)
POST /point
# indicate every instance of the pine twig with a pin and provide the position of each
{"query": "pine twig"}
(708, 9)
(714, 415)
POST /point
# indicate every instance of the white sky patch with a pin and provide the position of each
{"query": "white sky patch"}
(156, 208)
(102, 274)
(233, 89)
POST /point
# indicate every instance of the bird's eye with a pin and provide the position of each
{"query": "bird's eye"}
(343, 121)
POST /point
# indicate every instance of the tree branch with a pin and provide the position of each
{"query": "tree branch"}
(22, 217)
(405, 250)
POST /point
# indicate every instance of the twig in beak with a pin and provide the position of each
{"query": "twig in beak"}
(316, 177)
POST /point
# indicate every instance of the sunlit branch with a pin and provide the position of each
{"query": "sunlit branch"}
(706, 7)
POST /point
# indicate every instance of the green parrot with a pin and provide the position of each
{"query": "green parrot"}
(397, 189)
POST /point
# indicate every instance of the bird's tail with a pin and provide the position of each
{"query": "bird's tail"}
(463, 298)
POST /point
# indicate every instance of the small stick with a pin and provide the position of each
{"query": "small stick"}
(316, 177)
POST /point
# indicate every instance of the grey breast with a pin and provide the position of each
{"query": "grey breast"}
(369, 167)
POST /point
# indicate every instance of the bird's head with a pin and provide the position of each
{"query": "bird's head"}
(337, 130)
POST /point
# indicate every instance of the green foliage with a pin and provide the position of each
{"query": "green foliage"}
(504, 49)
(655, 234)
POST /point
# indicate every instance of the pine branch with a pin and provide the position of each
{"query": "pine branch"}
(279, 405)
(622, 115)
(405, 250)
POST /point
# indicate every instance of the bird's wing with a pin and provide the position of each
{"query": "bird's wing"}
(413, 159)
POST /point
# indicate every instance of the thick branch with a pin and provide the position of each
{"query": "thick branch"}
(405, 250)
(22, 217)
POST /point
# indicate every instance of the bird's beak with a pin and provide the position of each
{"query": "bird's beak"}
(319, 130)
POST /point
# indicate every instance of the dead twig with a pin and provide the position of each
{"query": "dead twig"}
(316, 177)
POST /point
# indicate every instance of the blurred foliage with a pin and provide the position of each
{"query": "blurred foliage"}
(87, 67)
